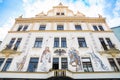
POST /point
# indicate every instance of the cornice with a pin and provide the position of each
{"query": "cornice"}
(60, 31)
(60, 19)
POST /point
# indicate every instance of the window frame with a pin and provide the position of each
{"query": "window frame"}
(38, 42)
(56, 42)
(88, 65)
(33, 63)
(60, 27)
(7, 64)
(82, 43)
(78, 27)
(42, 27)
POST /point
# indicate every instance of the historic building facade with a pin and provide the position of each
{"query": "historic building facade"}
(60, 44)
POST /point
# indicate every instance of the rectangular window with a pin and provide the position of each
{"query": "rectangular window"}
(63, 42)
(56, 42)
(55, 63)
(7, 64)
(1, 61)
(103, 44)
(17, 44)
(113, 65)
(100, 28)
(95, 28)
(64, 63)
(82, 42)
(57, 13)
(11, 43)
(19, 28)
(78, 27)
(42, 27)
(60, 27)
(33, 65)
(38, 42)
(109, 43)
(62, 13)
(87, 65)
(118, 60)
(25, 27)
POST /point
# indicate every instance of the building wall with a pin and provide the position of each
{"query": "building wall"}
(94, 50)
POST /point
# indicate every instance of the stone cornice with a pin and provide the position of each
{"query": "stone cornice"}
(61, 19)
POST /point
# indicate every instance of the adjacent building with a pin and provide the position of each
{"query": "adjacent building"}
(60, 45)
(116, 31)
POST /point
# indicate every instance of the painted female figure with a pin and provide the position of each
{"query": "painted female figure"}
(45, 59)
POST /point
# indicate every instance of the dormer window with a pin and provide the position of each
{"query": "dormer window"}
(62, 13)
(57, 13)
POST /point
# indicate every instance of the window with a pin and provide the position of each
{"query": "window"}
(87, 65)
(17, 44)
(103, 44)
(7, 64)
(25, 27)
(62, 13)
(19, 28)
(95, 28)
(109, 43)
(64, 63)
(60, 27)
(1, 61)
(57, 13)
(56, 42)
(78, 27)
(11, 43)
(42, 27)
(101, 28)
(55, 63)
(63, 42)
(118, 60)
(33, 65)
(112, 63)
(38, 42)
(81, 42)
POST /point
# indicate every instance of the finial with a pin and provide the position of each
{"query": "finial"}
(20, 16)
(100, 16)
(60, 4)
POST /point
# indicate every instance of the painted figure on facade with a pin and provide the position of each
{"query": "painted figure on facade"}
(45, 59)
(74, 58)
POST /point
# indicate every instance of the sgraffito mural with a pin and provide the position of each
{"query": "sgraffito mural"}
(98, 61)
(45, 59)
(74, 59)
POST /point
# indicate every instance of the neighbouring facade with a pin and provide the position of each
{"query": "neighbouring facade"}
(60, 45)
(116, 31)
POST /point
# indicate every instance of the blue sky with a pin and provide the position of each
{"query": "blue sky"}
(11, 9)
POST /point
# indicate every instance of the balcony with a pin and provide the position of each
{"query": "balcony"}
(8, 51)
(112, 51)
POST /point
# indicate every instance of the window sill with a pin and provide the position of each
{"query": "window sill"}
(36, 47)
(59, 47)
(83, 47)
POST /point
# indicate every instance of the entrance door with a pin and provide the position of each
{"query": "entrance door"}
(55, 63)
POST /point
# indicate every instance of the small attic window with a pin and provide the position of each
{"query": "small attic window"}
(62, 13)
(57, 13)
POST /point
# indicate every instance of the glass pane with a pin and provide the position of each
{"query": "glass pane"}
(1, 61)
(78, 27)
(33, 64)
(7, 65)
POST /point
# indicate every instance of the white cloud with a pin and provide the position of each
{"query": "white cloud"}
(6, 27)
(95, 7)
